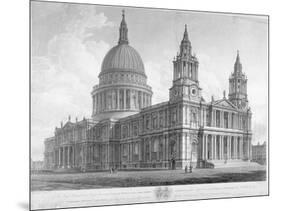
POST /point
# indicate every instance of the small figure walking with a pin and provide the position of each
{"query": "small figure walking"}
(185, 169)
(190, 168)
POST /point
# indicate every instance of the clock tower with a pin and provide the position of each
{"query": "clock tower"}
(185, 76)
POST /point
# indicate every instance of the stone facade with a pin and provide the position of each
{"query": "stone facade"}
(259, 153)
(127, 132)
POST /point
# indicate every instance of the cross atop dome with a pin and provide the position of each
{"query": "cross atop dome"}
(123, 31)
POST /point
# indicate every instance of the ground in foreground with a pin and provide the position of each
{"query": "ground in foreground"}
(90, 180)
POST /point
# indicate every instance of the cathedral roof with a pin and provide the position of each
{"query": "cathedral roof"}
(122, 57)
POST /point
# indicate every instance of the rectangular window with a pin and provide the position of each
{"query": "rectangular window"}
(136, 148)
(135, 130)
(147, 122)
(225, 120)
(161, 119)
(218, 116)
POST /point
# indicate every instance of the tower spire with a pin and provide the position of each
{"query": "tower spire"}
(185, 47)
(123, 31)
(185, 35)
(237, 57)
(237, 65)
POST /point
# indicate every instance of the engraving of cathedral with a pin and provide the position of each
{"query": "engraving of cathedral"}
(126, 132)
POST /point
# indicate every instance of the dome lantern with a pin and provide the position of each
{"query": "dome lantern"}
(123, 31)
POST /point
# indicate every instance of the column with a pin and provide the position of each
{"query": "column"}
(96, 97)
(117, 98)
(139, 148)
(64, 157)
(130, 151)
(236, 120)
(212, 147)
(215, 147)
(102, 101)
(150, 148)
(229, 119)
(143, 100)
(131, 99)
(107, 154)
(250, 147)
(239, 125)
(221, 147)
(68, 157)
(73, 160)
(92, 153)
(241, 147)
(206, 145)
(229, 147)
(235, 147)
(124, 99)
(184, 115)
(221, 119)
(98, 103)
(203, 147)
(184, 147)
(167, 147)
(59, 158)
(140, 103)
(215, 118)
(180, 146)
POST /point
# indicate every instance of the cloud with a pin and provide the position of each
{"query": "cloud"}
(62, 78)
(159, 75)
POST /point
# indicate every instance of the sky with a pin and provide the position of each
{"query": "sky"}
(69, 42)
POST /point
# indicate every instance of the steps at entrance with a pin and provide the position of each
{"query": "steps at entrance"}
(232, 163)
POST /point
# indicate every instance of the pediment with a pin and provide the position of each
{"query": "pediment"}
(224, 103)
(68, 125)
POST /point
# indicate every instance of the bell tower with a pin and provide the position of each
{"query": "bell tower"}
(238, 86)
(185, 75)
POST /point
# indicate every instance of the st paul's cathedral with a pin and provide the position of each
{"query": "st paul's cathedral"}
(126, 132)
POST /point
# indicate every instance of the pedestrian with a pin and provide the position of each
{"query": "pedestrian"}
(190, 168)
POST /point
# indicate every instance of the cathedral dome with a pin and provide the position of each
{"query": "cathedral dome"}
(122, 90)
(122, 57)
